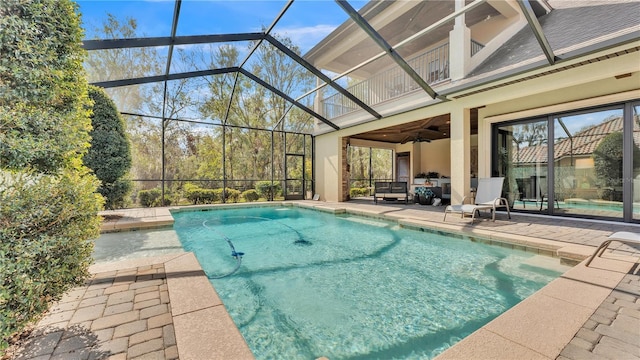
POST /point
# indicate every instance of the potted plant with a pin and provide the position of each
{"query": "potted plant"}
(424, 196)
(433, 175)
(420, 178)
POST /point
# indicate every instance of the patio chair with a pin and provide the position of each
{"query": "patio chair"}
(625, 237)
(540, 193)
(488, 197)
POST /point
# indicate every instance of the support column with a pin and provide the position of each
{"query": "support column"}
(459, 45)
(328, 158)
(345, 173)
(484, 145)
(460, 154)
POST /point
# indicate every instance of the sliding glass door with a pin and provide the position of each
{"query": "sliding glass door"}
(587, 163)
(635, 183)
(590, 169)
(522, 161)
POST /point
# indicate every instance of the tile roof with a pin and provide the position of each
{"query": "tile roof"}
(584, 143)
(570, 24)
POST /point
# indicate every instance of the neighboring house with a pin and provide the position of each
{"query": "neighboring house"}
(498, 63)
(573, 154)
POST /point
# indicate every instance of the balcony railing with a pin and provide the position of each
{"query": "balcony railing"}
(475, 47)
(432, 66)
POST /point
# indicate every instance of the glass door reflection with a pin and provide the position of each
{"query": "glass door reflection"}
(587, 162)
(636, 161)
(522, 160)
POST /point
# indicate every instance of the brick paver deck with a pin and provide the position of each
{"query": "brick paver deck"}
(613, 331)
(123, 314)
(126, 314)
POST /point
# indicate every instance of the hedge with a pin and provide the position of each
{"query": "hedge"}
(198, 195)
(358, 192)
(48, 211)
(46, 223)
(250, 195)
(153, 198)
(268, 190)
(110, 153)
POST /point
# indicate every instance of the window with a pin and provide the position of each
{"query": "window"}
(594, 166)
(587, 163)
(366, 166)
(522, 161)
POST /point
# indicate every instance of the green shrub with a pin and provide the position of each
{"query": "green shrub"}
(150, 198)
(110, 154)
(608, 161)
(216, 195)
(191, 193)
(198, 195)
(233, 195)
(115, 194)
(357, 192)
(44, 106)
(48, 210)
(607, 158)
(268, 190)
(46, 223)
(210, 196)
(250, 195)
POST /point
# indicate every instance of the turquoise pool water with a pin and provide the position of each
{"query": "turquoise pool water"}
(313, 284)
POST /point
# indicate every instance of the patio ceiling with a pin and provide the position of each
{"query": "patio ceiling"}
(423, 130)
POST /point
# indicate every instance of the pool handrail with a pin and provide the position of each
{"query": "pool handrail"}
(624, 237)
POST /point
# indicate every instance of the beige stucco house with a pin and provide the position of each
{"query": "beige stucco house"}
(486, 62)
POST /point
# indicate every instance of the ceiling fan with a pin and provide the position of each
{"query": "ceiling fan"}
(416, 139)
(419, 139)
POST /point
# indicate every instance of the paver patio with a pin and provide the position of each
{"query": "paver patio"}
(124, 314)
(165, 307)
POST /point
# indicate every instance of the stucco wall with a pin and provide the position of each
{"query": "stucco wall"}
(436, 156)
(587, 85)
(328, 167)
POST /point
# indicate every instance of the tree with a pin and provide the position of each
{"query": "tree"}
(114, 64)
(248, 153)
(608, 160)
(49, 205)
(110, 155)
(124, 63)
(37, 105)
(195, 151)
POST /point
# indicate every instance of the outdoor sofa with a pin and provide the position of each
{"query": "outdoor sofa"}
(391, 190)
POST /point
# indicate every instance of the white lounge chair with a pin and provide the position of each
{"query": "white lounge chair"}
(624, 237)
(488, 197)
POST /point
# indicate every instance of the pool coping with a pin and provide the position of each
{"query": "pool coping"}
(531, 329)
(203, 328)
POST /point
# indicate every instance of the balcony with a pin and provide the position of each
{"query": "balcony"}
(432, 66)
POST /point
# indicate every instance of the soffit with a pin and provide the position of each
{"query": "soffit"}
(421, 15)
(433, 128)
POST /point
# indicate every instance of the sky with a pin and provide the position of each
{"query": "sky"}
(306, 22)
(576, 123)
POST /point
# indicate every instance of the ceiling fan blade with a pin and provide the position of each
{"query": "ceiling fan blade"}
(431, 131)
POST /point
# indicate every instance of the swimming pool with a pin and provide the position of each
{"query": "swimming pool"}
(313, 284)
